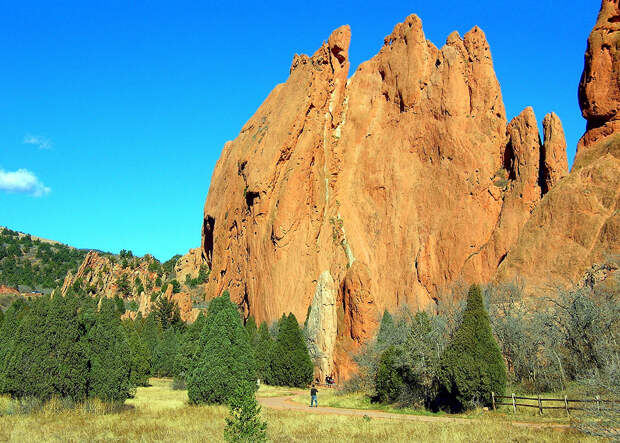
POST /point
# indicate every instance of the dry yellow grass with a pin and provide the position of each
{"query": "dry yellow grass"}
(160, 414)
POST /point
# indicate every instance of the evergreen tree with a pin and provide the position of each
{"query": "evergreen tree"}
(167, 313)
(66, 359)
(472, 366)
(262, 351)
(226, 358)
(140, 355)
(110, 356)
(244, 423)
(120, 304)
(25, 374)
(252, 330)
(150, 333)
(386, 329)
(290, 363)
(189, 349)
(12, 319)
(388, 380)
(166, 354)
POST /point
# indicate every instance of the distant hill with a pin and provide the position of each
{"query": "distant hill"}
(31, 263)
(35, 263)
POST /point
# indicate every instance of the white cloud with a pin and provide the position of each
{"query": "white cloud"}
(37, 140)
(22, 181)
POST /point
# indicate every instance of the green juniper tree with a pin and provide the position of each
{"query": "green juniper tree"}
(150, 333)
(110, 356)
(250, 327)
(67, 357)
(226, 359)
(244, 423)
(189, 349)
(13, 317)
(386, 328)
(289, 362)
(472, 366)
(167, 313)
(262, 351)
(25, 372)
(165, 354)
(389, 379)
(140, 355)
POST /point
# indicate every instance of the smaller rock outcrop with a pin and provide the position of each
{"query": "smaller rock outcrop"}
(554, 163)
(189, 264)
(322, 325)
(361, 314)
(100, 275)
(7, 290)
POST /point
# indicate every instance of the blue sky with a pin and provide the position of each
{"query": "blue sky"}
(113, 113)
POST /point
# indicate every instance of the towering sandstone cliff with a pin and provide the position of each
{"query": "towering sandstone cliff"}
(345, 196)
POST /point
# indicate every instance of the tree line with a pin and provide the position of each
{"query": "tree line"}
(78, 347)
(454, 358)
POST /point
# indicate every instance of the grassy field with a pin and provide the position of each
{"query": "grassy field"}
(337, 399)
(158, 413)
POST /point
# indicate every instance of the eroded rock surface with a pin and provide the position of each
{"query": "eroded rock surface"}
(599, 88)
(99, 276)
(322, 325)
(577, 224)
(401, 180)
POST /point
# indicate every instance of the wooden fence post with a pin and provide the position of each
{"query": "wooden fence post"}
(493, 399)
(566, 405)
(514, 405)
(540, 408)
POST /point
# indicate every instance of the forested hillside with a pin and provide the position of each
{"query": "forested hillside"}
(35, 263)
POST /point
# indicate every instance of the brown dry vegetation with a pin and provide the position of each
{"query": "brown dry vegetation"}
(158, 413)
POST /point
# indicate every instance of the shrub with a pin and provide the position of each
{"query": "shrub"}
(472, 366)
(178, 384)
(244, 423)
(389, 381)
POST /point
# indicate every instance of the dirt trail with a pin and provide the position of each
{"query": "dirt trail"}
(286, 402)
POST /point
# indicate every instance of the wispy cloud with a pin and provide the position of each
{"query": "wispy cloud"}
(22, 181)
(38, 140)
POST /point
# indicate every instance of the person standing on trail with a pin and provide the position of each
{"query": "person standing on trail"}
(313, 398)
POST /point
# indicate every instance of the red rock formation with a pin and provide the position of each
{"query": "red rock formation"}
(189, 264)
(554, 159)
(7, 290)
(99, 275)
(395, 183)
(599, 88)
(577, 223)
